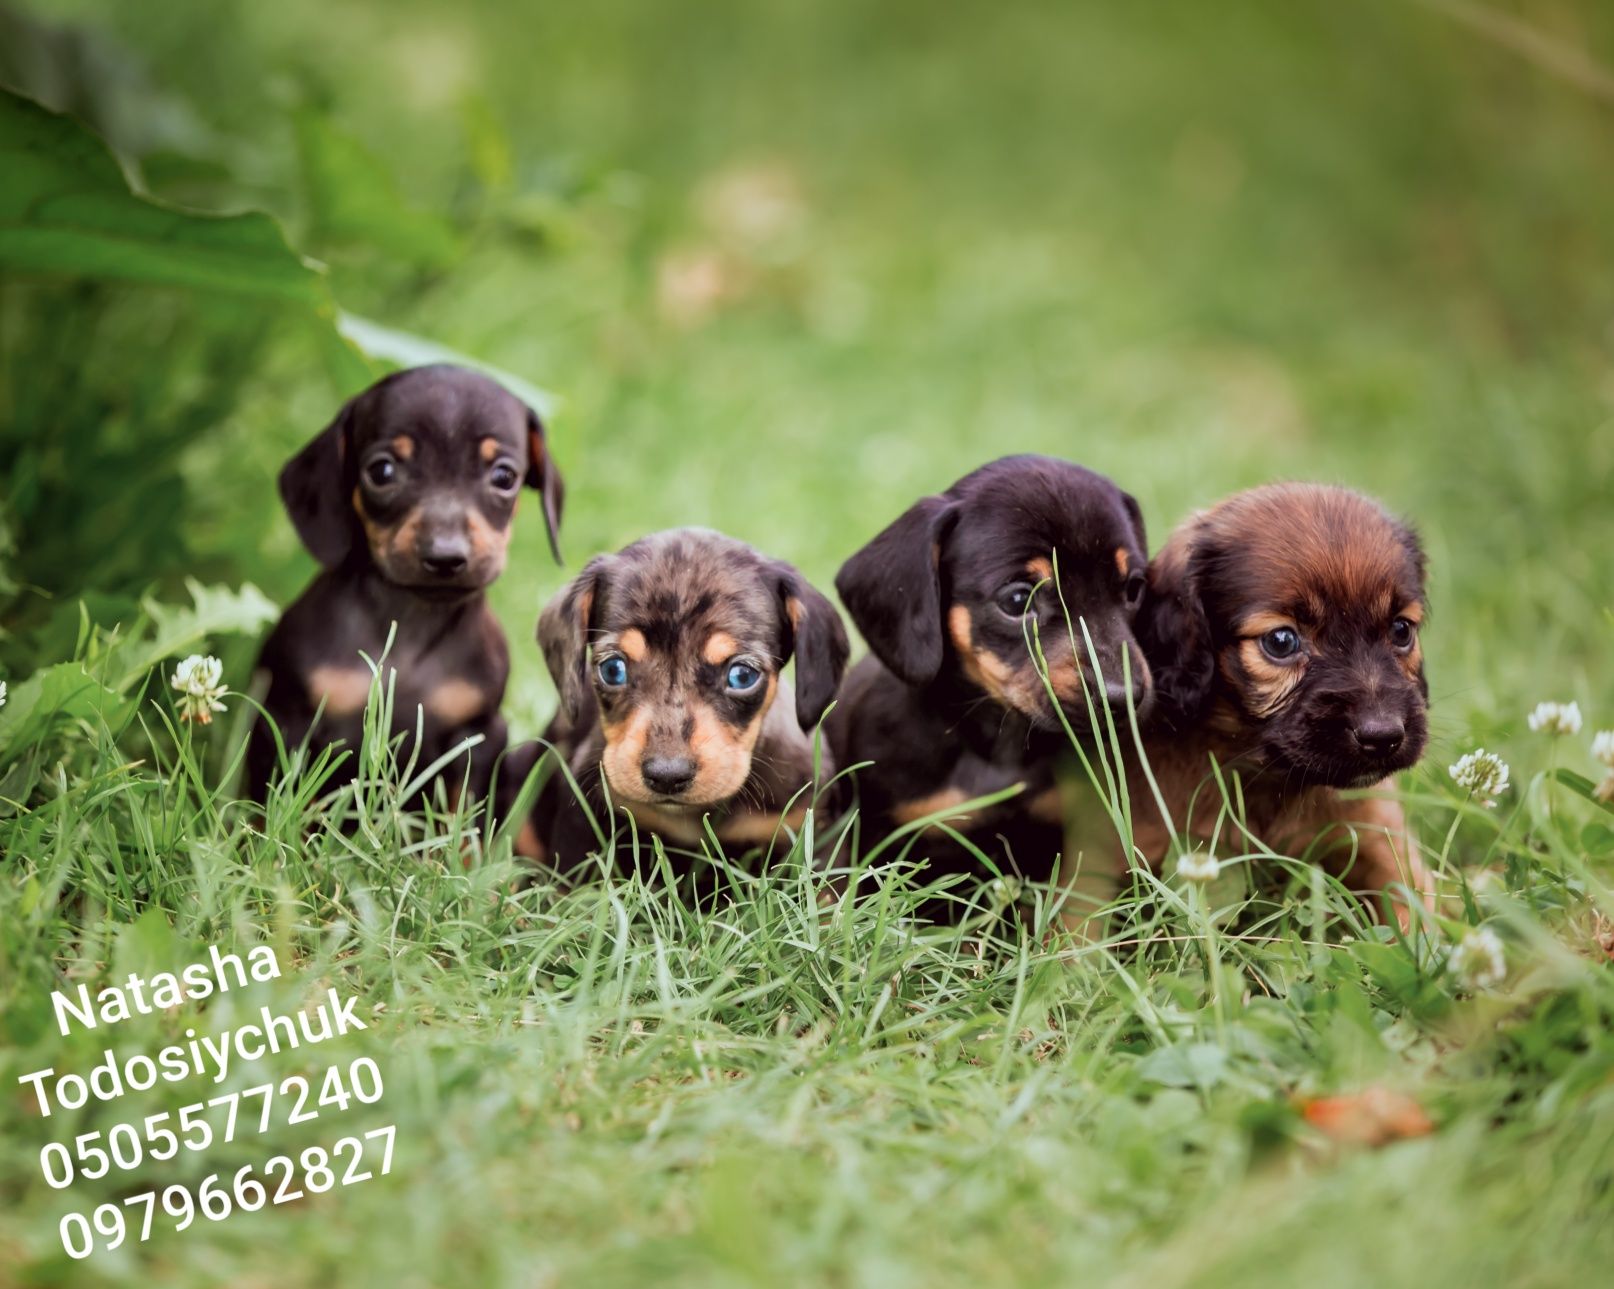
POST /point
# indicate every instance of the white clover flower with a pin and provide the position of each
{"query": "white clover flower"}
(1198, 866)
(1602, 749)
(200, 682)
(1003, 891)
(1483, 773)
(1556, 718)
(1486, 883)
(2, 693)
(1479, 962)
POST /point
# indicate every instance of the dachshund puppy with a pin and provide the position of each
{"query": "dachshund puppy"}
(1282, 629)
(950, 705)
(667, 656)
(406, 500)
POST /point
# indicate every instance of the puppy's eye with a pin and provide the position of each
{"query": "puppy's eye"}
(1281, 644)
(503, 477)
(741, 678)
(1013, 599)
(381, 471)
(613, 672)
(1403, 633)
(1133, 591)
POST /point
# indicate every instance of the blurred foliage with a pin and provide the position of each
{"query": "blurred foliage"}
(133, 329)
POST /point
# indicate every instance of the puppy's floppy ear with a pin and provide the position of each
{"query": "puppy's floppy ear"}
(814, 634)
(1413, 545)
(543, 475)
(315, 486)
(563, 629)
(1135, 514)
(1174, 631)
(892, 589)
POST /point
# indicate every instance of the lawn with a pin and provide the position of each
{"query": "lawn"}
(784, 267)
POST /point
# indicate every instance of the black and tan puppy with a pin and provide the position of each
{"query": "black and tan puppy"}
(1282, 627)
(406, 500)
(667, 656)
(950, 704)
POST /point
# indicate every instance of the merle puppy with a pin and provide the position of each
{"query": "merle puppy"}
(405, 499)
(668, 657)
(950, 704)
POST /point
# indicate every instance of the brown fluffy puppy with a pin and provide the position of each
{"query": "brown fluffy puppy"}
(1282, 630)
(667, 656)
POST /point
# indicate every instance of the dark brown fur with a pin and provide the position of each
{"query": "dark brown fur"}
(674, 745)
(406, 500)
(949, 705)
(1348, 710)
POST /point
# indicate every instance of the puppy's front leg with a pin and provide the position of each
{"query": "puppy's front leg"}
(1093, 864)
(1366, 842)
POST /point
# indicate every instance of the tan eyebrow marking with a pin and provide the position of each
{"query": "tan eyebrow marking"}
(1123, 561)
(720, 645)
(632, 643)
(1412, 612)
(1258, 624)
(1041, 569)
(404, 446)
(489, 448)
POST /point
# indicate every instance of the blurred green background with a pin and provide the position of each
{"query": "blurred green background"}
(789, 265)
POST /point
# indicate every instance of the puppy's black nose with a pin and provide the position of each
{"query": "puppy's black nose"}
(1115, 694)
(1380, 736)
(445, 556)
(668, 775)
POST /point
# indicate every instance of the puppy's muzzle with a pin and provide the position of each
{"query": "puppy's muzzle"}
(1126, 685)
(444, 554)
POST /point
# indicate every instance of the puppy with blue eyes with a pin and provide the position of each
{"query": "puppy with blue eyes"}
(668, 658)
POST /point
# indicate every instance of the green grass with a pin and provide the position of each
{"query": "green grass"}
(1196, 247)
(612, 1085)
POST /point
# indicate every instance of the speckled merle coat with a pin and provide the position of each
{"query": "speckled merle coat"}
(674, 713)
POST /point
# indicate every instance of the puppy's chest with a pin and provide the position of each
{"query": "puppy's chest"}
(741, 826)
(972, 776)
(1200, 809)
(450, 685)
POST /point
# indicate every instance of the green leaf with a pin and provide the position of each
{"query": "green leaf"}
(63, 692)
(67, 209)
(214, 610)
(1581, 786)
(409, 350)
(1187, 1065)
(353, 199)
